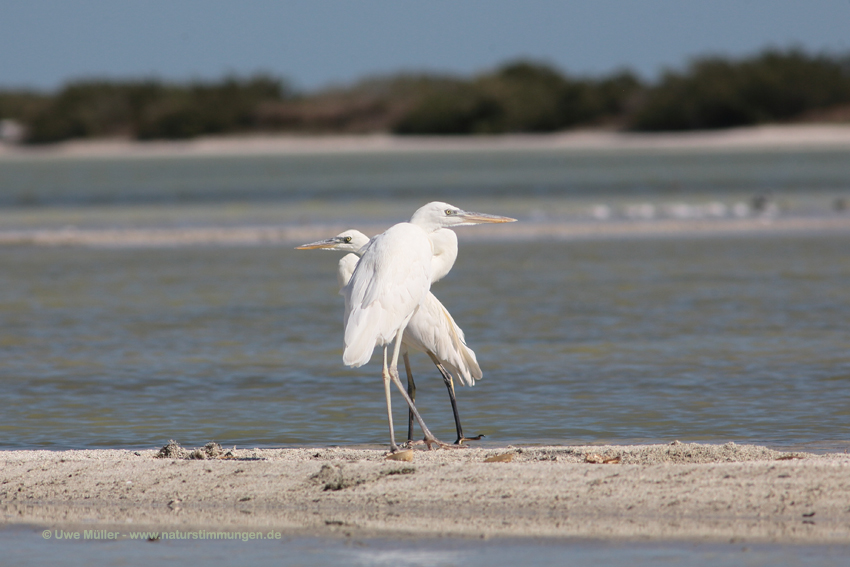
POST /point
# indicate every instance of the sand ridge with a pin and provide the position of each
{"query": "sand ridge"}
(528, 231)
(677, 491)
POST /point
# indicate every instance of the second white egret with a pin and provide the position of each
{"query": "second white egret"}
(431, 330)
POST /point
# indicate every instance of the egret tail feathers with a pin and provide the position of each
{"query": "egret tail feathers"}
(468, 370)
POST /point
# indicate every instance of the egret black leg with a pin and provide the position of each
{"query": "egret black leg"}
(449, 382)
(411, 391)
(447, 379)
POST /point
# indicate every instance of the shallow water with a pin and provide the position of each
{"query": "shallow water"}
(365, 189)
(616, 341)
(713, 339)
(26, 546)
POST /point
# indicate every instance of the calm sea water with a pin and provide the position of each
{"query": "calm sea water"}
(714, 339)
(25, 546)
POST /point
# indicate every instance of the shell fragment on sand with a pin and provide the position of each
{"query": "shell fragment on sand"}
(595, 459)
(500, 458)
(406, 455)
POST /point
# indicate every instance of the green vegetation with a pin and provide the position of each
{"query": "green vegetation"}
(142, 110)
(716, 93)
(521, 96)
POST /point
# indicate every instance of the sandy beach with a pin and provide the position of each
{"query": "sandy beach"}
(760, 138)
(671, 492)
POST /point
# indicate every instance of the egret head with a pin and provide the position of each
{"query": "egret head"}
(348, 241)
(436, 215)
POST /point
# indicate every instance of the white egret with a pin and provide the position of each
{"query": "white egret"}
(431, 330)
(388, 284)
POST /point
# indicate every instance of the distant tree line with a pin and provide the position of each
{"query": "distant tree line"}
(141, 109)
(520, 96)
(773, 87)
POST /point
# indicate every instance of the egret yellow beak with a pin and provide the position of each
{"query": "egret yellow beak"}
(327, 243)
(479, 218)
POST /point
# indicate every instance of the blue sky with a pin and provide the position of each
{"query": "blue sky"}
(314, 43)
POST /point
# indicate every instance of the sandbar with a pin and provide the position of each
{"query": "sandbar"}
(678, 491)
(167, 237)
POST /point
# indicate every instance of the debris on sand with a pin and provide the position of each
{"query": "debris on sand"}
(172, 450)
(211, 450)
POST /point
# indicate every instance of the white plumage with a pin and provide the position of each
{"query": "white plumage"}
(432, 329)
(388, 284)
(388, 287)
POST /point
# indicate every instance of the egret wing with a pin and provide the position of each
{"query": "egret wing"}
(385, 289)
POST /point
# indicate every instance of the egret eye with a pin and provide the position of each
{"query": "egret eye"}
(449, 212)
(347, 239)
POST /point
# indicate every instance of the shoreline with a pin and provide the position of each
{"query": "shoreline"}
(757, 138)
(688, 492)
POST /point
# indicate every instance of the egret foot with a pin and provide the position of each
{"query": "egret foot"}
(460, 440)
